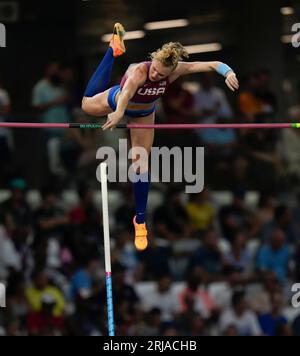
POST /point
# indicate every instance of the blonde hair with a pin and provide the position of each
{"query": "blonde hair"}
(170, 54)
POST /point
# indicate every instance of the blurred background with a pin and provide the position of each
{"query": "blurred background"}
(222, 262)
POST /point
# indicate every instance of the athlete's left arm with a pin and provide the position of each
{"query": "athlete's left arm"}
(185, 68)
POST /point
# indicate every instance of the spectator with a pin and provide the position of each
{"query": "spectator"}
(220, 145)
(196, 299)
(178, 106)
(5, 105)
(236, 216)
(272, 321)
(169, 331)
(85, 225)
(274, 256)
(6, 137)
(289, 146)
(211, 102)
(231, 330)
(69, 82)
(294, 110)
(126, 211)
(241, 317)
(297, 263)
(283, 220)
(212, 106)
(296, 213)
(178, 103)
(51, 225)
(155, 260)
(123, 292)
(249, 103)
(260, 148)
(171, 217)
(201, 211)
(208, 258)
(267, 205)
(164, 297)
(239, 256)
(82, 280)
(50, 98)
(125, 251)
(233, 280)
(196, 326)
(50, 218)
(284, 329)
(296, 326)
(47, 306)
(260, 297)
(125, 298)
(78, 148)
(79, 215)
(17, 305)
(10, 260)
(16, 215)
(265, 94)
(85, 292)
(152, 324)
(181, 251)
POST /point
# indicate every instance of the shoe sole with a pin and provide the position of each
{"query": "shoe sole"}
(120, 32)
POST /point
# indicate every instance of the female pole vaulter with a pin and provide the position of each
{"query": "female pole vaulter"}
(142, 85)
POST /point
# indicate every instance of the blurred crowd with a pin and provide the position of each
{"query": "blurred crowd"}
(210, 269)
(234, 157)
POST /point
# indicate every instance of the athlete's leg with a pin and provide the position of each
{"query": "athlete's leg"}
(95, 97)
(97, 105)
(141, 138)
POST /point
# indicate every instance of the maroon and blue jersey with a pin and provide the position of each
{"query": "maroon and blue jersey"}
(143, 102)
(150, 91)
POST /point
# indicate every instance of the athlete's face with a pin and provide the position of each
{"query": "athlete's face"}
(158, 71)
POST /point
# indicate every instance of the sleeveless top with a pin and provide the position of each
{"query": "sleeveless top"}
(150, 92)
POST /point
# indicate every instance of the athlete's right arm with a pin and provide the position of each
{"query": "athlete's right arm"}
(135, 78)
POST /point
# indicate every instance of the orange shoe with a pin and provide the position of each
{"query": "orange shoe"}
(141, 242)
(117, 41)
